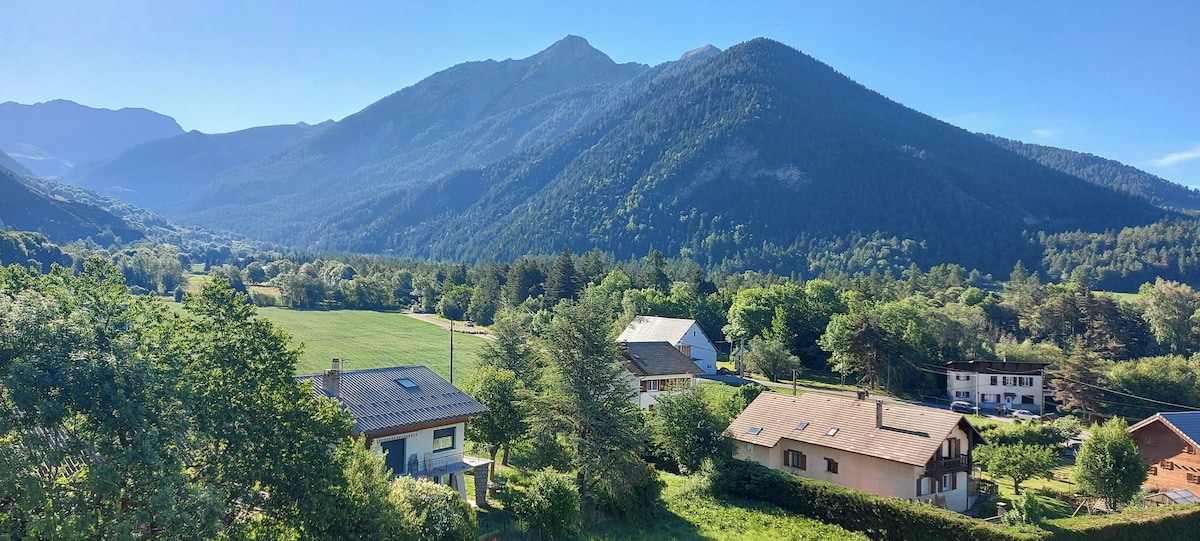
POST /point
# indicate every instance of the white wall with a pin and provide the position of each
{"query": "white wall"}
(703, 353)
(977, 385)
(420, 442)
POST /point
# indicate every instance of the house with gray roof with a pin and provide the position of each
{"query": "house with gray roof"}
(684, 334)
(412, 416)
(890, 450)
(654, 368)
(1167, 442)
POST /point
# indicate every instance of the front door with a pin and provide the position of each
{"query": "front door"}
(394, 458)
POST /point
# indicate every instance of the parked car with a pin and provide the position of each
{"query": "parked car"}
(1071, 449)
(962, 406)
(1024, 415)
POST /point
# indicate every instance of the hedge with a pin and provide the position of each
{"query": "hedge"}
(891, 519)
(879, 518)
(1166, 523)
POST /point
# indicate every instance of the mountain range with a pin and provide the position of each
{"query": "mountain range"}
(758, 156)
(51, 137)
(61, 219)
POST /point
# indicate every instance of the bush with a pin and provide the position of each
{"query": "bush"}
(878, 518)
(262, 299)
(1026, 510)
(550, 505)
(1167, 523)
(437, 512)
(631, 489)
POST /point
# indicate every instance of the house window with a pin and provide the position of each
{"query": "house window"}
(443, 439)
(1006, 381)
(962, 394)
(795, 459)
(1153, 470)
(924, 486)
(686, 350)
(652, 385)
(993, 379)
(831, 465)
(962, 377)
(1189, 449)
(949, 482)
(1168, 465)
(1194, 478)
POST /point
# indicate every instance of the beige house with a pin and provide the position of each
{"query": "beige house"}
(889, 450)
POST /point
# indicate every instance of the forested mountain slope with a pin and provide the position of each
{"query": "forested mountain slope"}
(9, 163)
(1108, 173)
(61, 220)
(466, 116)
(49, 138)
(757, 155)
(160, 174)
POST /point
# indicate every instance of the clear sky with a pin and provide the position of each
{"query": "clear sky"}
(1120, 79)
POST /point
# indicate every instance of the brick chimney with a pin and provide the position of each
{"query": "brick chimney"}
(878, 414)
(331, 380)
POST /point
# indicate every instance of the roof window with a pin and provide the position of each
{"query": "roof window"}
(754, 430)
(832, 431)
(802, 426)
(406, 383)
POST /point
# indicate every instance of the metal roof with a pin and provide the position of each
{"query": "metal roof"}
(378, 400)
(657, 359)
(655, 329)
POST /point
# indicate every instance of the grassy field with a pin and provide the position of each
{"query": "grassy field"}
(688, 514)
(366, 339)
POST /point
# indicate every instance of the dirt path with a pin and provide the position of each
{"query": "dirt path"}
(463, 329)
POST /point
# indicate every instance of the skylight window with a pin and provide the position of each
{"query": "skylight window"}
(406, 383)
(802, 426)
(832, 431)
(754, 430)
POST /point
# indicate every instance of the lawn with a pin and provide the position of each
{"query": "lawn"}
(690, 514)
(367, 339)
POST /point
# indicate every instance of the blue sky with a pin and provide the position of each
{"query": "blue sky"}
(1116, 79)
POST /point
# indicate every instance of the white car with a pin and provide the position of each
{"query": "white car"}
(1024, 415)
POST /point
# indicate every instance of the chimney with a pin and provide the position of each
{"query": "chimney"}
(331, 380)
(878, 414)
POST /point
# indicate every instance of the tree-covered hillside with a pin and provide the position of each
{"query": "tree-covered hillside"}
(1108, 173)
(753, 157)
(161, 174)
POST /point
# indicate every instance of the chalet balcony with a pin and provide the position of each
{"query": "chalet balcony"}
(938, 466)
(439, 465)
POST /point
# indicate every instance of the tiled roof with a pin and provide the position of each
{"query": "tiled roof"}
(910, 434)
(1186, 423)
(379, 402)
(657, 359)
(656, 329)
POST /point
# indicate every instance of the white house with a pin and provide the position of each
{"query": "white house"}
(900, 451)
(684, 334)
(413, 416)
(655, 368)
(990, 384)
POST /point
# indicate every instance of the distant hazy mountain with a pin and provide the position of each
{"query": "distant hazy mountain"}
(51, 137)
(466, 116)
(27, 208)
(1108, 173)
(755, 154)
(160, 174)
(9, 163)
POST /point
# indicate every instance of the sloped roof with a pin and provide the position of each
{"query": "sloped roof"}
(657, 359)
(656, 329)
(910, 434)
(1185, 423)
(377, 400)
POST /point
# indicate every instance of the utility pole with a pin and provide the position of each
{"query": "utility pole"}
(451, 352)
(794, 376)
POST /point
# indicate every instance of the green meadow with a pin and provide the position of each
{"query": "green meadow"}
(366, 339)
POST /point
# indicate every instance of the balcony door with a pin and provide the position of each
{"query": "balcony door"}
(395, 456)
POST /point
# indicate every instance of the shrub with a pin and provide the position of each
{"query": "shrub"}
(550, 505)
(631, 489)
(437, 512)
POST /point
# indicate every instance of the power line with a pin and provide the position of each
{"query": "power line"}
(1114, 391)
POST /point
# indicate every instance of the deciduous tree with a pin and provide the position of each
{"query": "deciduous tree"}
(1108, 465)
